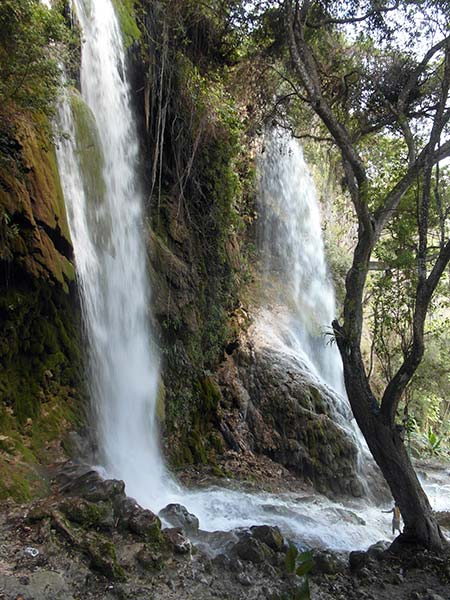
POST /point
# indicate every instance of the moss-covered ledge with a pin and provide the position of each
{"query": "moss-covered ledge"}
(40, 365)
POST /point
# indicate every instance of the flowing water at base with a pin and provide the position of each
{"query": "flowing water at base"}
(309, 520)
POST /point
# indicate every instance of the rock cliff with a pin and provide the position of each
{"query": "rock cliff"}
(39, 318)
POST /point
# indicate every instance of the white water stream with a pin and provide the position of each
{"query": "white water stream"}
(97, 159)
(104, 203)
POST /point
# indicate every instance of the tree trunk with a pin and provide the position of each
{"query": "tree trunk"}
(387, 447)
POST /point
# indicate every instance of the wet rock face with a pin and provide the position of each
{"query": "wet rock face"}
(92, 487)
(275, 409)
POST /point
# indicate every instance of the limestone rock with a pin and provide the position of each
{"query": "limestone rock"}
(279, 410)
(103, 557)
(377, 550)
(88, 514)
(145, 524)
(327, 563)
(149, 559)
(92, 487)
(357, 560)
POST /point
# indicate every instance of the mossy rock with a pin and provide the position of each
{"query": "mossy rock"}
(149, 558)
(40, 380)
(99, 515)
(103, 557)
(146, 525)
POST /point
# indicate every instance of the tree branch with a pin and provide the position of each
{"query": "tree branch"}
(385, 213)
(305, 65)
(351, 20)
(398, 383)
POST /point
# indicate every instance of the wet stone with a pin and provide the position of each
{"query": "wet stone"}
(92, 487)
(244, 579)
(327, 563)
(145, 524)
(357, 560)
(88, 514)
(179, 543)
(251, 550)
(178, 515)
(270, 536)
(377, 550)
(149, 559)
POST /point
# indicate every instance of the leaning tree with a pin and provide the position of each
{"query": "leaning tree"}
(369, 69)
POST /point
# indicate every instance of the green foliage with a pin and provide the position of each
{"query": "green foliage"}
(300, 564)
(127, 17)
(29, 51)
(434, 443)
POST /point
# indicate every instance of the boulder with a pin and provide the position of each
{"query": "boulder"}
(124, 508)
(88, 514)
(149, 559)
(251, 550)
(378, 549)
(102, 554)
(357, 560)
(282, 411)
(145, 524)
(91, 486)
(270, 536)
(327, 563)
(443, 518)
(179, 516)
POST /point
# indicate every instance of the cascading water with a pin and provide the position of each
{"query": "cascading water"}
(294, 259)
(296, 275)
(98, 164)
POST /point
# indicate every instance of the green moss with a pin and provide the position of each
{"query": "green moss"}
(87, 514)
(200, 443)
(209, 396)
(127, 18)
(19, 481)
(216, 442)
(202, 228)
(217, 471)
(40, 369)
(161, 403)
(153, 534)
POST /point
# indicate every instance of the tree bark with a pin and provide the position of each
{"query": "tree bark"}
(389, 452)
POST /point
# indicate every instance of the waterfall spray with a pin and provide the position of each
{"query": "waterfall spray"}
(294, 260)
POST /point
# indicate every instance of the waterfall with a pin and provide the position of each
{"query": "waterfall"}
(98, 167)
(294, 264)
(97, 159)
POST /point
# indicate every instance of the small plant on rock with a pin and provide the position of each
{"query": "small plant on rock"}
(300, 564)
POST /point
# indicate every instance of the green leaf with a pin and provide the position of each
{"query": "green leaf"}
(303, 592)
(305, 563)
(291, 556)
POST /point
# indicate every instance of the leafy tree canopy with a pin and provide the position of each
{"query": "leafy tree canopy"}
(29, 72)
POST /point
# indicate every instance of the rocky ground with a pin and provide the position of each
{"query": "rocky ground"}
(88, 540)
